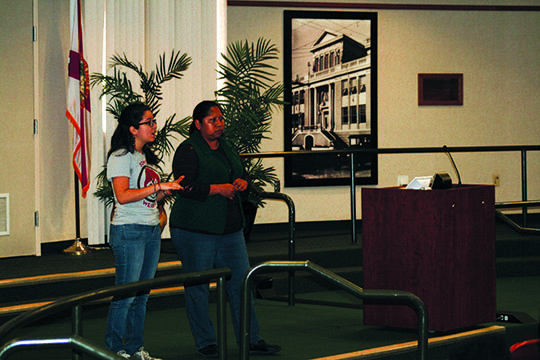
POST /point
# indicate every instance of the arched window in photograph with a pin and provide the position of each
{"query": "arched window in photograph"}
(362, 83)
(345, 87)
(354, 89)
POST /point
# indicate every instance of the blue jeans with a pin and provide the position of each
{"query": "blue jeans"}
(136, 251)
(199, 252)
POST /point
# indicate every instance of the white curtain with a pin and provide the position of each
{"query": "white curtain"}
(144, 30)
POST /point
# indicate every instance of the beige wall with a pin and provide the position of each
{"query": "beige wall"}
(499, 55)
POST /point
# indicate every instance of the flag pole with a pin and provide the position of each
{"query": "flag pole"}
(77, 248)
(78, 113)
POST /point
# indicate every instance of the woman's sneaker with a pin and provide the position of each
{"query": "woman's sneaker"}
(123, 354)
(262, 348)
(209, 351)
(142, 355)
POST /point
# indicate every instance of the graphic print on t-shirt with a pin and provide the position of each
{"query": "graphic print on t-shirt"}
(148, 177)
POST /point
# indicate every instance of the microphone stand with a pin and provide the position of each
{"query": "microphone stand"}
(445, 148)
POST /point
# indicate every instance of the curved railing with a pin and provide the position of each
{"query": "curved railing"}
(77, 344)
(388, 296)
(292, 240)
(80, 345)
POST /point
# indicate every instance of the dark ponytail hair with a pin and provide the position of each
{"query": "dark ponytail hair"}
(201, 111)
(123, 138)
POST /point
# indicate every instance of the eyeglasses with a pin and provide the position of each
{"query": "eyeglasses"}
(149, 123)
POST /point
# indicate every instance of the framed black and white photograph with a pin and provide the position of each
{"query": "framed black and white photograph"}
(330, 80)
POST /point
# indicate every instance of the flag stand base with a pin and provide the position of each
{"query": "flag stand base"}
(77, 248)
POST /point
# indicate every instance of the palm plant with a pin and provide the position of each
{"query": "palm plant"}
(120, 90)
(248, 97)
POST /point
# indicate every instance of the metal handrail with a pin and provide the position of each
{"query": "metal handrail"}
(514, 225)
(76, 343)
(75, 302)
(388, 296)
(405, 150)
(292, 240)
(410, 150)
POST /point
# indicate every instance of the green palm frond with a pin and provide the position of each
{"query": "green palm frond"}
(260, 176)
(172, 129)
(104, 190)
(248, 98)
(123, 61)
(177, 65)
(117, 86)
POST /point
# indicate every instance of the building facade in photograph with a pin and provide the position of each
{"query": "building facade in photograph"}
(330, 103)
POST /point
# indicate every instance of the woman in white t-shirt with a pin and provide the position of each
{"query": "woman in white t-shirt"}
(135, 234)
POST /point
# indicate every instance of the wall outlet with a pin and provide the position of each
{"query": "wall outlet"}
(402, 180)
(496, 179)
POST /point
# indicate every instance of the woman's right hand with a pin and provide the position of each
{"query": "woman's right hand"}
(226, 190)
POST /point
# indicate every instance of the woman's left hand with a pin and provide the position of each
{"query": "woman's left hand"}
(240, 184)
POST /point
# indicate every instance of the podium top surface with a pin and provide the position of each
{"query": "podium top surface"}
(453, 188)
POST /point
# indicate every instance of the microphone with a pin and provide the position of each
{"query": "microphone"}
(445, 148)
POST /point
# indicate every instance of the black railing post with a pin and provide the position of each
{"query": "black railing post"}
(221, 321)
(353, 199)
(524, 184)
(292, 241)
(76, 327)
(292, 250)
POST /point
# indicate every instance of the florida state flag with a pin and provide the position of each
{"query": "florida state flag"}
(78, 99)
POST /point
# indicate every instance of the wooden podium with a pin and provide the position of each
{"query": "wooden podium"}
(436, 244)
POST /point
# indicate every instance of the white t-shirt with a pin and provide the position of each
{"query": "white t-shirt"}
(140, 174)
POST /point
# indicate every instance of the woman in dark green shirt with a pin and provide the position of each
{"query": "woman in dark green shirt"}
(207, 224)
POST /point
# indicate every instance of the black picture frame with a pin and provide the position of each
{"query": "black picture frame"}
(330, 90)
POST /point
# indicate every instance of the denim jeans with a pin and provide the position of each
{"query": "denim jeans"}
(136, 251)
(199, 252)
